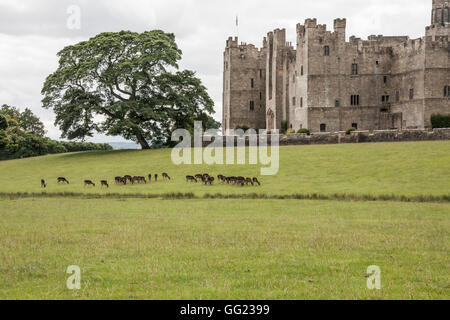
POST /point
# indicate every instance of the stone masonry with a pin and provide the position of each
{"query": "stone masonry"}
(329, 84)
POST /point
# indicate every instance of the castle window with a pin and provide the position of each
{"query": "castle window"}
(354, 100)
(377, 63)
(252, 83)
(301, 70)
(354, 69)
(385, 99)
(323, 127)
(337, 103)
(447, 91)
(385, 79)
(293, 101)
(326, 51)
(252, 105)
(260, 96)
(411, 94)
(397, 96)
(301, 102)
(355, 125)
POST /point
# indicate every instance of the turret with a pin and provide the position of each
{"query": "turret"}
(440, 13)
(339, 28)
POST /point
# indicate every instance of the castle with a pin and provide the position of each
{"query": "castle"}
(327, 84)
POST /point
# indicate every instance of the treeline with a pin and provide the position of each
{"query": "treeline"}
(22, 135)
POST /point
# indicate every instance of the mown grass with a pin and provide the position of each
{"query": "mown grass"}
(416, 169)
(309, 232)
(223, 249)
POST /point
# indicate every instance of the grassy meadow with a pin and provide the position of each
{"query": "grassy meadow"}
(250, 248)
(419, 168)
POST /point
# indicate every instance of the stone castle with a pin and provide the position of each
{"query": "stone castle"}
(328, 84)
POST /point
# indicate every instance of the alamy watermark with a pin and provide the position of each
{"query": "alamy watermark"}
(231, 151)
(74, 281)
(374, 278)
(74, 19)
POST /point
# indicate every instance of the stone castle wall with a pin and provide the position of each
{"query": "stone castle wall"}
(356, 137)
(399, 81)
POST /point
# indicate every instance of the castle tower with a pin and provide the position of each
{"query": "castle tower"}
(440, 19)
(440, 13)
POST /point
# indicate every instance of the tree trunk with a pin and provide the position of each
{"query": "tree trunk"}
(144, 144)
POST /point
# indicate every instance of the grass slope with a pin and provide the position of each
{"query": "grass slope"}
(410, 169)
(219, 249)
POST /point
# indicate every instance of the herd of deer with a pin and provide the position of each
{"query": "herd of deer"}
(206, 179)
(238, 181)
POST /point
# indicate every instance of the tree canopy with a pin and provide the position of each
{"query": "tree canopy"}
(126, 84)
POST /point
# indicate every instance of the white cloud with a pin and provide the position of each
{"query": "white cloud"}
(32, 32)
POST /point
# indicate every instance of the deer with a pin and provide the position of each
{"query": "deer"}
(191, 179)
(165, 176)
(104, 183)
(43, 184)
(129, 178)
(255, 180)
(208, 180)
(156, 178)
(88, 183)
(150, 177)
(62, 180)
(249, 181)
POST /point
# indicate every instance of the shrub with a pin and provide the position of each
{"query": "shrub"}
(304, 131)
(350, 130)
(284, 126)
(244, 128)
(440, 121)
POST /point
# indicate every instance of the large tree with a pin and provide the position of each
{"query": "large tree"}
(125, 84)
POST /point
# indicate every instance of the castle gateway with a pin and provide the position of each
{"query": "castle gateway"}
(328, 84)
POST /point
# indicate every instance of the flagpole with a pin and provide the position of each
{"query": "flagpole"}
(237, 27)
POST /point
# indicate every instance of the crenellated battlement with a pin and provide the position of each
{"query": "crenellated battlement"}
(327, 82)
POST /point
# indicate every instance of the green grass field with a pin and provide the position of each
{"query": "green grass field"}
(133, 248)
(420, 168)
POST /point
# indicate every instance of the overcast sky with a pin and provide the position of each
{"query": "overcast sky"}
(33, 31)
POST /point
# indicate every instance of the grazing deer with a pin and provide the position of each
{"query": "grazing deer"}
(199, 176)
(43, 184)
(104, 183)
(150, 177)
(120, 180)
(166, 176)
(88, 183)
(209, 180)
(249, 181)
(191, 179)
(156, 178)
(64, 180)
(129, 178)
(240, 181)
(255, 180)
